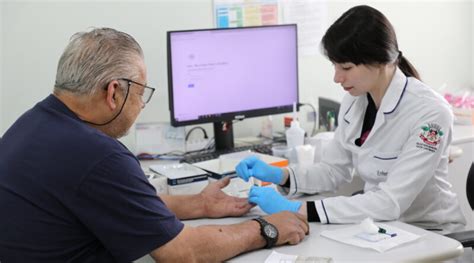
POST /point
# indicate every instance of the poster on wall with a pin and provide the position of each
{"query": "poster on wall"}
(311, 18)
(235, 13)
(309, 15)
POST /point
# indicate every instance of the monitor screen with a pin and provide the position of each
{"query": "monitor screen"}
(217, 75)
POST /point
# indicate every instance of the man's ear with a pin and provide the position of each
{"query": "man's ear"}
(111, 94)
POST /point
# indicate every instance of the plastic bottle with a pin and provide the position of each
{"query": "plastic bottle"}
(267, 127)
(331, 121)
(295, 134)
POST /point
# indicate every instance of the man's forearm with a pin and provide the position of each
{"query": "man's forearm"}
(185, 206)
(194, 244)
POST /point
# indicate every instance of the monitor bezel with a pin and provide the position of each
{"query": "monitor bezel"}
(238, 115)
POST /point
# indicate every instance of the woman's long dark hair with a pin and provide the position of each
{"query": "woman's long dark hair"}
(363, 35)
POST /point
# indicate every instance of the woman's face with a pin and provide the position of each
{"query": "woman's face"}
(356, 79)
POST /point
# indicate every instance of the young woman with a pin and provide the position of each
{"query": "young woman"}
(394, 132)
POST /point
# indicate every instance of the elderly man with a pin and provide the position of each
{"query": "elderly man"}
(70, 191)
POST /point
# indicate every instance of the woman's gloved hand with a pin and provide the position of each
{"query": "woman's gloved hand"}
(270, 201)
(254, 167)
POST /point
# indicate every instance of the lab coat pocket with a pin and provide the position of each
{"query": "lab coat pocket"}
(382, 164)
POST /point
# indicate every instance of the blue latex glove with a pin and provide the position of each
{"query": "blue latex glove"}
(252, 166)
(270, 201)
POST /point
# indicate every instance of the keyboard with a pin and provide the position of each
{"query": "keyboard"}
(209, 155)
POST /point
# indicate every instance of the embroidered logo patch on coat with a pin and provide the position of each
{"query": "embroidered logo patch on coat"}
(431, 134)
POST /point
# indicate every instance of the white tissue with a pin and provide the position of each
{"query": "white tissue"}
(367, 225)
(305, 154)
(349, 235)
(320, 141)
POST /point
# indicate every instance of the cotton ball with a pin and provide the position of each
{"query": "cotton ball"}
(368, 226)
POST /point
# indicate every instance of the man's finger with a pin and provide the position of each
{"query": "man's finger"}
(223, 182)
(239, 199)
(253, 199)
(304, 221)
(245, 206)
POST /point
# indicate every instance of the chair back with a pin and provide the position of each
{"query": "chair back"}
(470, 186)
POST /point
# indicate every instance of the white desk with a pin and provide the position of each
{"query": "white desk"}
(430, 247)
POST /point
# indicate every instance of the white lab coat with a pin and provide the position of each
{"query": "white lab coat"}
(404, 169)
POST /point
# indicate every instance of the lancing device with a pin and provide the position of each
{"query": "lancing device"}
(383, 231)
(254, 181)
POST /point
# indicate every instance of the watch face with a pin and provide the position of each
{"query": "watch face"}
(270, 231)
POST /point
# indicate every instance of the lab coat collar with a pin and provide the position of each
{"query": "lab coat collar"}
(394, 93)
(390, 101)
(354, 116)
(354, 119)
(353, 112)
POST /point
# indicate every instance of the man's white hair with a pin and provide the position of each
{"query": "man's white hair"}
(92, 59)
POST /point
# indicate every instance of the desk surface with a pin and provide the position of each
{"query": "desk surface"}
(429, 247)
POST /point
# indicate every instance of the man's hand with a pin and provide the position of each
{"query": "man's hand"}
(218, 204)
(292, 227)
(252, 166)
(270, 201)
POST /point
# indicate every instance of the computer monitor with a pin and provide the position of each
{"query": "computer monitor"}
(220, 75)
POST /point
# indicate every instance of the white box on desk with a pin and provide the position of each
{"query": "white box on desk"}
(225, 166)
(188, 188)
(182, 178)
(226, 163)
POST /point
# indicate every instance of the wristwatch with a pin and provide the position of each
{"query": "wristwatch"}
(268, 231)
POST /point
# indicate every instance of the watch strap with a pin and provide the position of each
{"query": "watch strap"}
(270, 241)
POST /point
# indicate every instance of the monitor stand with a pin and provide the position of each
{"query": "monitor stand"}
(223, 135)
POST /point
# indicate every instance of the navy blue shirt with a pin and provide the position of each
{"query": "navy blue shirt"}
(70, 193)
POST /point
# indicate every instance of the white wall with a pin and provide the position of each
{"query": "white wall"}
(435, 35)
(37, 32)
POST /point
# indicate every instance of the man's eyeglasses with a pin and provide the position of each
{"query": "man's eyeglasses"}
(146, 97)
(147, 92)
